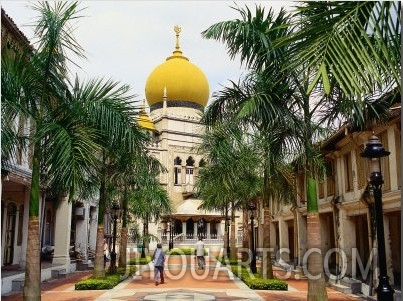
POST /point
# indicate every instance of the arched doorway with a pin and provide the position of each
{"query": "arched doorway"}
(201, 228)
(10, 234)
(189, 228)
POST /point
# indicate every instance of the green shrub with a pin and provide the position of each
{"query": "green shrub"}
(266, 284)
(110, 280)
(180, 251)
(254, 281)
(139, 261)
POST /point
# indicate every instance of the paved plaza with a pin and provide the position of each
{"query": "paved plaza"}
(183, 281)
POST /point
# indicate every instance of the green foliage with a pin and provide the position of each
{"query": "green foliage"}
(109, 282)
(183, 251)
(226, 260)
(140, 261)
(180, 251)
(266, 284)
(253, 281)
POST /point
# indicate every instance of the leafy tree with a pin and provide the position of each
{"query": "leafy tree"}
(148, 200)
(262, 100)
(274, 94)
(231, 175)
(68, 123)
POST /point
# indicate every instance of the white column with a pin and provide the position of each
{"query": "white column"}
(62, 230)
(284, 243)
(208, 230)
(81, 242)
(347, 240)
(93, 228)
(184, 229)
(25, 228)
(195, 230)
(219, 229)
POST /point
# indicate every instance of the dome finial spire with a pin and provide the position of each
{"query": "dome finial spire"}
(177, 30)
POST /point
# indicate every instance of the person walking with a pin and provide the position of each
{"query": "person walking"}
(106, 252)
(199, 252)
(159, 261)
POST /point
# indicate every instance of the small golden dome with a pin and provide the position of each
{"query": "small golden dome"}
(145, 121)
(182, 80)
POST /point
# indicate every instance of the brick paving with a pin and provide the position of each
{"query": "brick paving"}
(182, 282)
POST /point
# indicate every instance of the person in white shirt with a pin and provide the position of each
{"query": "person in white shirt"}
(199, 252)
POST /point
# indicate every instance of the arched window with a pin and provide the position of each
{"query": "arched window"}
(190, 161)
(177, 171)
(189, 171)
(202, 163)
(177, 161)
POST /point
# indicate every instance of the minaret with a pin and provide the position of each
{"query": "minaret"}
(164, 105)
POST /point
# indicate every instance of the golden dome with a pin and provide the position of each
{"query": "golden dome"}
(145, 121)
(182, 80)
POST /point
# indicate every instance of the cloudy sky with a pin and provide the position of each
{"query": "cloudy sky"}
(126, 40)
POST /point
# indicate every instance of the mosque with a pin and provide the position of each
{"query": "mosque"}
(177, 92)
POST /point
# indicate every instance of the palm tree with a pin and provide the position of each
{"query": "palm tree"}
(251, 37)
(353, 43)
(148, 200)
(58, 134)
(351, 52)
(231, 176)
(137, 171)
(67, 126)
(262, 100)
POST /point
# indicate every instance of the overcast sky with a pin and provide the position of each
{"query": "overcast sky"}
(126, 40)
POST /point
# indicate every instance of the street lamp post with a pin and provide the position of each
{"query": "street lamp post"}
(374, 151)
(115, 210)
(251, 208)
(171, 241)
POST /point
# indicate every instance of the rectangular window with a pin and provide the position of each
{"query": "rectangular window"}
(177, 176)
(20, 225)
(189, 176)
(348, 173)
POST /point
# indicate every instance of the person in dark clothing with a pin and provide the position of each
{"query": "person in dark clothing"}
(159, 261)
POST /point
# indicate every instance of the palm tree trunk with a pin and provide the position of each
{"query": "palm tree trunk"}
(316, 277)
(122, 248)
(32, 285)
(267, 266)
(123, 236)
(245, 240)
(233, 249)
(99, 269)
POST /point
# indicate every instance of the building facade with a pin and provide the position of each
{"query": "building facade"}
(346, 214)
(67, 231)
(177, 92)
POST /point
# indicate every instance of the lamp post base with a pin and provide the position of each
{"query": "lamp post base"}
(171, 245)
(253, 268)
(384, 292)
(112, 268)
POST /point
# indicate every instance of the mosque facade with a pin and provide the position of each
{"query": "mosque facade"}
(177, 92)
